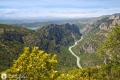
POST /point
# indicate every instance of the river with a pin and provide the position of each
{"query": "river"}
(70, 49)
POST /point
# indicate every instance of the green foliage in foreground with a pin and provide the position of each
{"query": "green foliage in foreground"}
(104, 72)
(37, 65)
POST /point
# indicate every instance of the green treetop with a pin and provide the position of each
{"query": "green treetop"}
(36, 65)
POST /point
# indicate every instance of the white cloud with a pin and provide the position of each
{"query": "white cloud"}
(61, 12)
(57, 8)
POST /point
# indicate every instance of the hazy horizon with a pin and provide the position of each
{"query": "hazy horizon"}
(53, 9)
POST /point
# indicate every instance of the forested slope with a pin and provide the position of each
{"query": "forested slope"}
(11, 44)
(45, 67)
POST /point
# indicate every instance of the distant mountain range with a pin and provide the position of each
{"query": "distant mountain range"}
(34, 24)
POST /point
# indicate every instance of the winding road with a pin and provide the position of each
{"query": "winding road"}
(70, 49)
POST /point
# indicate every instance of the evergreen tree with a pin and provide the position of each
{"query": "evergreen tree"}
(36, 65)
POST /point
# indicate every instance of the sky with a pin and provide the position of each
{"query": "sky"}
(23, 9)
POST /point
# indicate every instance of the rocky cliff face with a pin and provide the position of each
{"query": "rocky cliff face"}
(49, 37)
(53, 36)
(89, 47)
(115, 16)
(92, 24)
(86, 29)
(12, 35)
(11, 44)
(103, 23)
(97, 30)
(110, 22)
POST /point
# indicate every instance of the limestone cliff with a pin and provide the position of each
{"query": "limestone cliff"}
(96, 30)
(110, 22)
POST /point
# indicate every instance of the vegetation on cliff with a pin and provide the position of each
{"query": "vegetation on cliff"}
(51, 38)
(11, 44)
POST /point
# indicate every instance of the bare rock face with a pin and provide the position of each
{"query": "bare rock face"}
(11, 35)
(53, 36)
(112, 17)
(104, 26)
(110, 22)
(2, 30)
(116, 21)
(89, 47)
(49, 37)
(115, 17)
(92, 24)
(86, 30)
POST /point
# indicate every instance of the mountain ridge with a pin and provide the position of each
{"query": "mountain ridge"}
(49, 38)
(95, 33)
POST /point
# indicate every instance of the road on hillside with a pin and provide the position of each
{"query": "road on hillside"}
(70, 49)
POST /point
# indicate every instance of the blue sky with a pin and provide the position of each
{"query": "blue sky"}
(57, 8)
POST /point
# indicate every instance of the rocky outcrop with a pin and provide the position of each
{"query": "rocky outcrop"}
(86, 29)
(103, 23)
(115, 16)
(110, 22)
(89, 47)
(105, 26)
(11, 35)
(2, 30)
(92, 24)
(53, 36)
(49, 37)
